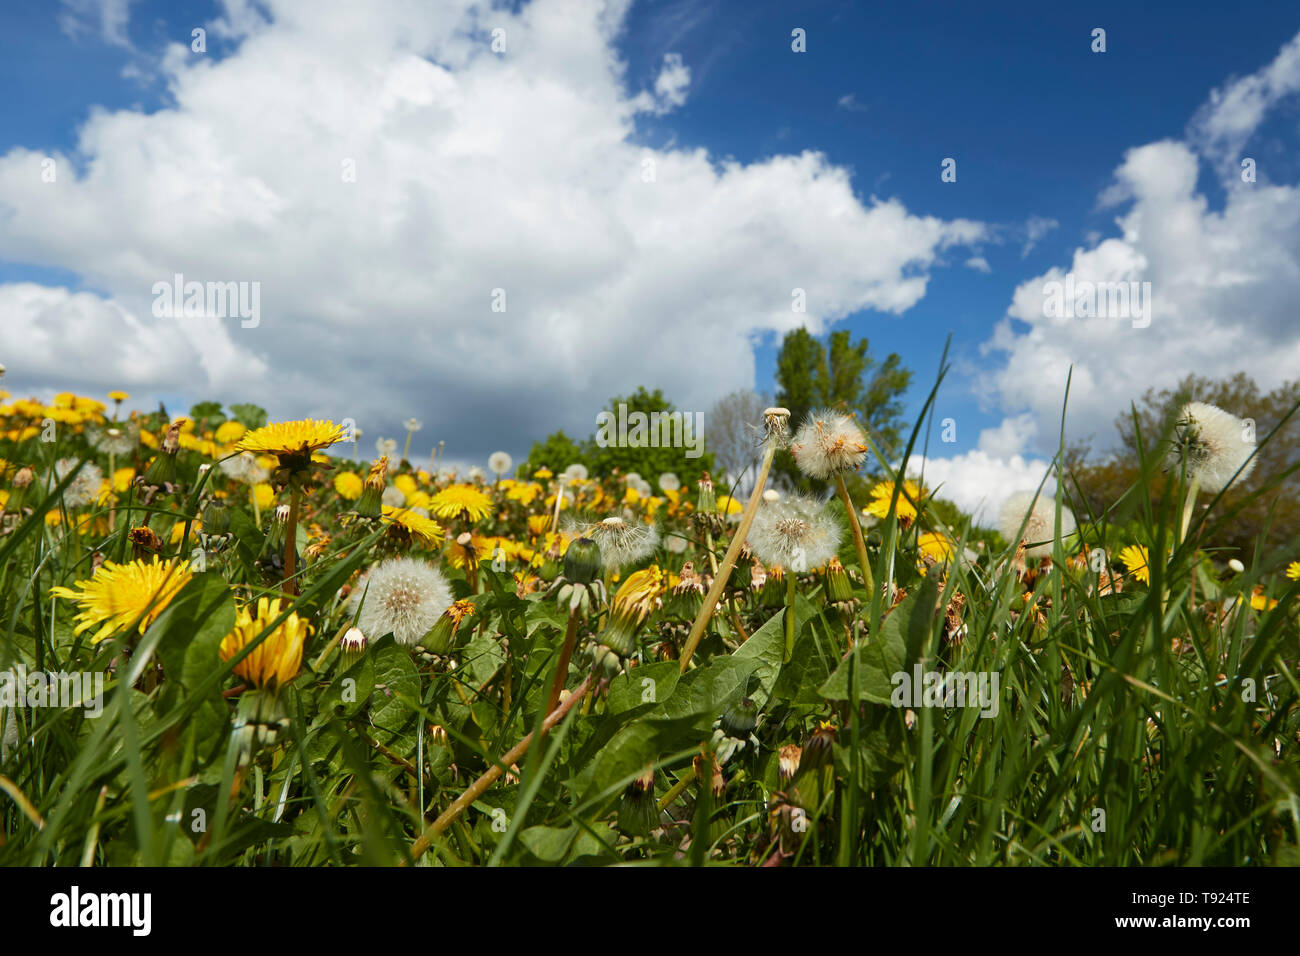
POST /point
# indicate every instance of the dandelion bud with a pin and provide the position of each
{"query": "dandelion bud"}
(353, 642)
(582, 561)
(216, 518)
(638, 811)
(740, 718)
(370, 503)
(838, 586)
(773, 593)
(686, 596)
(442, 636)
(788, 762)
(552, 562)
(162, 470)
(817, 752)
(633, 603)
(707, 502)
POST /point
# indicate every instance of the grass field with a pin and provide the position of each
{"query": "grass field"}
(311, 660)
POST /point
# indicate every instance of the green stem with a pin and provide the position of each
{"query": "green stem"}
(858, 542)
(789, 614)
(728, 560)
(291, 543)
(562, 665)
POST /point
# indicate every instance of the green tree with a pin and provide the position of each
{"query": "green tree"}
(843, 374)
(1275, 514)
(603, 458)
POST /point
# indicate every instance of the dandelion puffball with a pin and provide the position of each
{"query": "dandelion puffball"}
(621, 541)
(404, 596)
(1213, 445)
(499, 462)
(83, 489)
(1038, 515)
(797, 533)
(670, 482)
(827, 444)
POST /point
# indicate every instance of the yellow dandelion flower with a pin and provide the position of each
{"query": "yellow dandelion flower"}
(729, 505)
(122, 479)
(276, 659)
(53, 518)
(1136, 558)
(537, 525)
(541, 474)
(148, 439)
(1259, 602)
(1293, 571)
(461, 500)
(121, 594)
(230, 431)
(119, 396)
(881, 494)
(936, 546)
(418, 499)
(265, 495)
(460, 554)
(525, 494)
(414, 525)
(405, 484)
(292, 442)
(348, 484)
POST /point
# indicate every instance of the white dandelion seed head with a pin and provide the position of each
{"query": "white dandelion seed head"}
(576, 472)
(675, 543)
(413, 424)
(643, 488)
(668, 481)
(1039, 519)
(499, 462)
(404, 596)
(393, 496)
(475, 474)
(632, 477)
(244, 468)
(622, 541)
(828, 443)
(797, 533)
(771, 496)
(84, 488)
(446, 475)
(386, 447)
(1214, 444)
(115, 438)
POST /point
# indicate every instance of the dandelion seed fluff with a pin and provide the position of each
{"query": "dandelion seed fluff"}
(404, 596)
(393, 496)
(84, 488)
(622, 541)
(797, 533)
(1214, 444)
(499, 462)
(828, 443)
(1039, 519)
(244, 468)
(668, 481)
(576, 472)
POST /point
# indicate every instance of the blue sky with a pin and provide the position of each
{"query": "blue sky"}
(1042, 129)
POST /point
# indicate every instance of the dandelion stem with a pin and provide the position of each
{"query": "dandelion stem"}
(729, 559)
(858, 543)
(562, 664)
(290, 586)
(789, 614)
(480, 786)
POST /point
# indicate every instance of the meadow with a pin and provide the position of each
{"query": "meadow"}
(309, 655)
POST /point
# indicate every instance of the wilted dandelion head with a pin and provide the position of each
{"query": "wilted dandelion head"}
(1038, 515)
(796, 533)
(83, 489)
(404, 596)
(499, 462)
(1213, 444)
(621, 541)
(828, 443)
(243, 467)
(670, 482)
